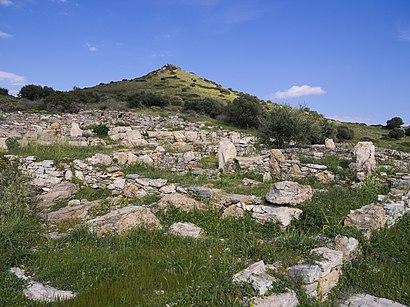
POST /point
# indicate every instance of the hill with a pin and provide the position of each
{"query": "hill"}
(170, 81)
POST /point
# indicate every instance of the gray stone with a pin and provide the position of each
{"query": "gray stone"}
(366, 300)
(348, 246)
(59, 192)
(330, 259)
(289, 193)
(75, 130)
(226, 151)
(168, 189)
(257, 276)
(158, 183)
(182, 202)
(288, 299)
(367, 218)
(122, 220)
(244, 275)
(41, 293)
(329, 144)
(281, 215)
(100, 159)
(308, 272)
(186, 230)
(364, 158)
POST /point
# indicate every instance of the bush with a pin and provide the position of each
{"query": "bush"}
(100, 130)
(395, 122)
(407, 131)
(4, 91)
(12, 144)
(344, 133)
(284, 125)
(244, 111)
(146, 99)
(35, 92)
(396, 133)
(62, 102)
(207, 106)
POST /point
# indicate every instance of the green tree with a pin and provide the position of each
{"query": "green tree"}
(407, 131)
(207, 106)
(344, 133)
(396, 133)
(35, 92)
(245, 111)
(395, 122)
(285, 126)
(4, 91)
(62, 102)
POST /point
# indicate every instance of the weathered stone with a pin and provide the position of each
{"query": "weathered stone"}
(276, 156)
(122, 220)
(186, 230)
(100, 159)
(158, 183)
(70, 212)
(348, 246)
(121, 157)
(329, 144)
(244, 275)
(118, 184)
(366, 300)
(364, 158)
(146, 159)
(3, 144)
(289, 193)
(308, 272)
(394, 211)
(189, 156)
(330, 259)
(131, 190)
(288, 299)
(182, 202)
(59, 192)
(233, 211)
(367, 218)
(168, 189)
(39, 292)
(226, 151)
(327, 283)
(75, 130)
(281, 215)
(257, 276)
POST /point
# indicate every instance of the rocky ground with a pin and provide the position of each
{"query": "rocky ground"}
(152, 165)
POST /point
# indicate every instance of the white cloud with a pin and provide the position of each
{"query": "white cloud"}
(4, 35)
(403, 34)
(91, 48)
(297, 91)
(11, 78)
(6, 2)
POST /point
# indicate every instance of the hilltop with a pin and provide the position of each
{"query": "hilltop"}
(171, 81)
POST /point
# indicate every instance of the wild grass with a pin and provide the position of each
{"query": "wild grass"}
(383, 269)
(231, 183)
(88, 193)
(59, 151)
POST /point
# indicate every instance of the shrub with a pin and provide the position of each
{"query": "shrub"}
(344, 133)
(146, 99)
(244, 111)
(395, 122)
(396, 133)
(207, 106)
(100, 130)
(407, 131)
(35, 92)
(4, 91)
(62, 102)
(12, 144)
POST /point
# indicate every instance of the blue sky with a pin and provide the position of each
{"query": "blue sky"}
(348, 59)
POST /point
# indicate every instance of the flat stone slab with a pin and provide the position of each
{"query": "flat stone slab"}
(124, 219)
(331, 259)
(186, 230)
(281, 215)
(257, 276)
(289, 193)
(366, 300)
(287, 299)
(308, 272)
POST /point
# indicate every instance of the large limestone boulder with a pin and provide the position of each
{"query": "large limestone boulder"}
(367, 218)
(366, 300)
(226, 151)
(75, 130)
(329, 144)
(364, 159)
(182, 202)
(122, 220)
(59, 192)
(289, 193)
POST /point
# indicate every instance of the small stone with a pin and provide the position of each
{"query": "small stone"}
(186, 230)
(308, 272)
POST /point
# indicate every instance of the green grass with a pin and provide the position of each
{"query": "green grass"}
(88, 193)
(59, 151)
(336, 165)
(379, 136)
(168, 82)
(383, 269)
(231, 183)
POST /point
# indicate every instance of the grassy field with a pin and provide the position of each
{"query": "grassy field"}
(171, 81)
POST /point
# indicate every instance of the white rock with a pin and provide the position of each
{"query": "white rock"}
(288, 299)
(329, 144)
(366, 300)
(226, 151)
(308, 272)
(186, 230)
(75, 130)
(289, 193)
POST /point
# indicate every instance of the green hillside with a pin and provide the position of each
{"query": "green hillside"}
(170, 81)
